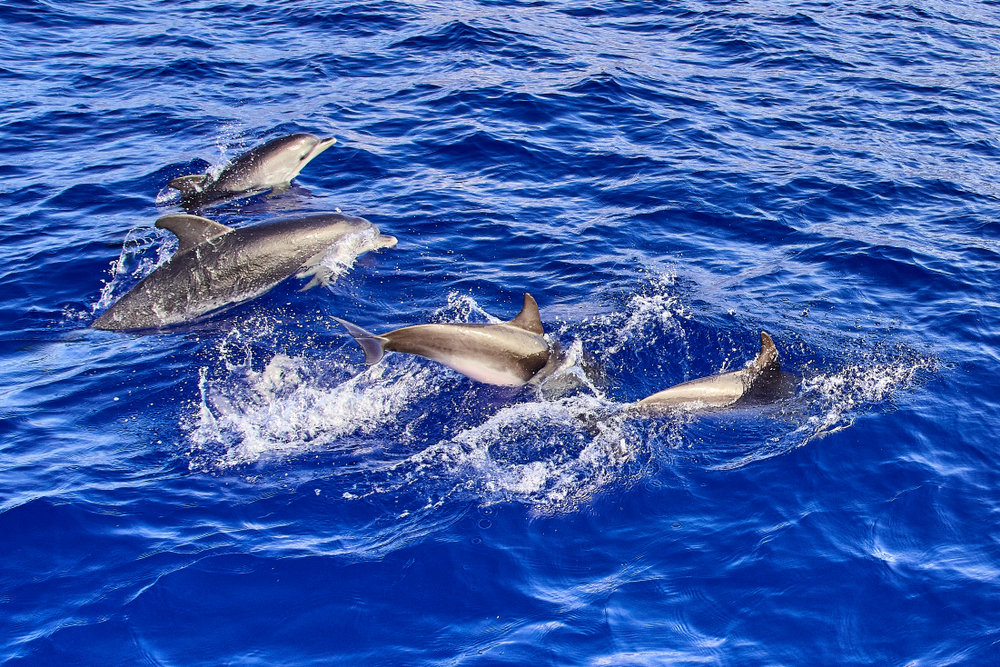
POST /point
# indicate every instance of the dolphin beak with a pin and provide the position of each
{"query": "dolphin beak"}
(321, 146)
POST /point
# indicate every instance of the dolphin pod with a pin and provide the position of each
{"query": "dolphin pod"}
(217, 266)
(271, 165)
(508, 354)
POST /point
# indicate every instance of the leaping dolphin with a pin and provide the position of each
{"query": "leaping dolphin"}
(269, 165)
(508, 354)
(763, 380)
(217, 266)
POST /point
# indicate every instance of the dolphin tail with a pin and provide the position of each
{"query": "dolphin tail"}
(189, 185)
(369, 342)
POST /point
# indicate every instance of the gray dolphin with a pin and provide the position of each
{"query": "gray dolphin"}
(508, 354)
(269, 165)
(217, 266)
(761, 381)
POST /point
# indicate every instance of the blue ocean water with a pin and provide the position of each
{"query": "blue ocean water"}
(666, 179)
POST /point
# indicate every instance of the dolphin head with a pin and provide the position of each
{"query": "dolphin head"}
(268, 165)
(283, 158)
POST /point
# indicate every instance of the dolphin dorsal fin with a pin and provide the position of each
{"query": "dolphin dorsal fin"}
(528, 319)
(767, 358)
(191, 230)
(189, 185)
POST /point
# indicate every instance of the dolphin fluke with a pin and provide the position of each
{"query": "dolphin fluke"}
(371, 343)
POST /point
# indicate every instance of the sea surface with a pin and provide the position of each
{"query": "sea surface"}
(666, 179)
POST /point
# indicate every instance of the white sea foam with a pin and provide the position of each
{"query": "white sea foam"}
(552, 456)
(830, 401)
(290, 408)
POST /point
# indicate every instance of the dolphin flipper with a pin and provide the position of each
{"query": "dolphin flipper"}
(369, 342)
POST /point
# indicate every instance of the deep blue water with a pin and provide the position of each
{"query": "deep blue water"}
(667, 180)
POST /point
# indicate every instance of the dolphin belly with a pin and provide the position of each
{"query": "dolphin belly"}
(716, 391)
(494, 354)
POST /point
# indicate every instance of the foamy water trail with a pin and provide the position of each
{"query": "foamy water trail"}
(292, 408)
(425, 430)
(830, 401)
(552, 456)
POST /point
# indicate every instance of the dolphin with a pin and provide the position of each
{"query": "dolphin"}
(508, 354)
(217, 266)
(270, 165)
(761, 381)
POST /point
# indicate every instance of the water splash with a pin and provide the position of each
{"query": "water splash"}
(295, 406)
(551, 456)
(830, 401)
(339, 258)
(136, 261)
(656, 309)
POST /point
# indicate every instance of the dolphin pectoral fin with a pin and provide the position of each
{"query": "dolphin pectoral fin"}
(369, 342)
(191, 230)
(528, 319)
(280, 188)
(189, 185)
(313, 282)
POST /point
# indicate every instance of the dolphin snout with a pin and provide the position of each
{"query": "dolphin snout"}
(321, 145)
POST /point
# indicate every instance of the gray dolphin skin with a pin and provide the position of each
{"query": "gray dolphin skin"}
(762, 381)
(217, 266)
(269, 165)
(508, 354)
